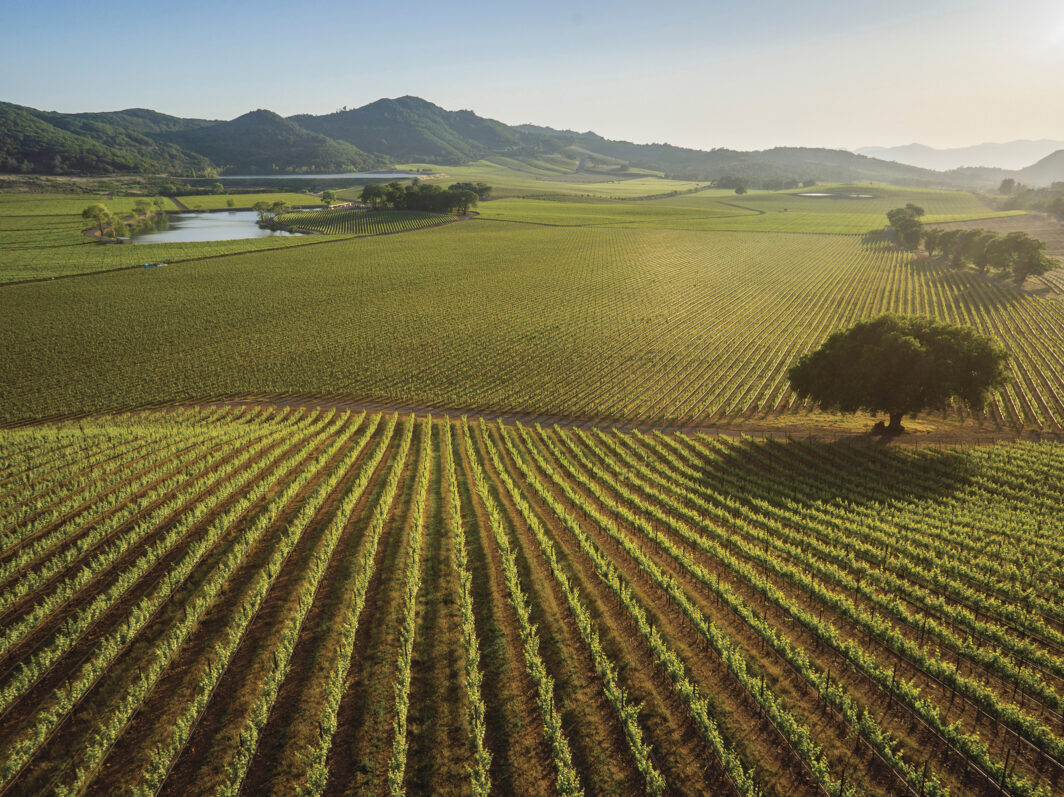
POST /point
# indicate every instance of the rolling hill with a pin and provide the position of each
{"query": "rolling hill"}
(412, 130)
(1047, 171)
(1008, 155)
(105, 143)
(261, 142)
(401, 130)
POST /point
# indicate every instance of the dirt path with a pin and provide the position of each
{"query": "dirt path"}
(767, 429)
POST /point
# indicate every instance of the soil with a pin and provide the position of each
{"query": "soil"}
(814, 426)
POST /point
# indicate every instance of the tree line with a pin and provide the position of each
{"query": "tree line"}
(1021, 197)
(111, 225)
(458, 197)
(1016, 254)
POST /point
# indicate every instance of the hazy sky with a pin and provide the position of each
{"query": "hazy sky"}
(745, 75)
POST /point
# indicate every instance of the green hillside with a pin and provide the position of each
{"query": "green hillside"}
(261, 142)
(411, 129)
(51, 143)
(402, 130)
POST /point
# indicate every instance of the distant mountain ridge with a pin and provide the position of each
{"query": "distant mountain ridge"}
(410, 129)
(406, 130)
(1047, 171)
(262, 142)
(1011, 155)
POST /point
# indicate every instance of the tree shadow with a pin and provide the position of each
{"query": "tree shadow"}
(976, 288)
(861, 471)
(877, 238)
(1001, 293)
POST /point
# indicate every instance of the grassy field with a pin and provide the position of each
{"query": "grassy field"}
(41, 237)
(517, 178)
(312, 601)
(221, 201)
(756, 211)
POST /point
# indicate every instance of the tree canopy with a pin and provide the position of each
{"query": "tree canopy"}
(1017, 254)
(900, 365)
(423, 196)
(906, 223)
(97, 213)
(482, 190)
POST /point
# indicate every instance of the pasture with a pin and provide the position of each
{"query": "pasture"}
(221, 201)
(41, 238)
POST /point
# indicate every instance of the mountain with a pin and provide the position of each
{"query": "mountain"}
(412, 130)
(1010, 155)
(262, 142)
(769, 166)
(1047, 171)
(401, 130)
(44, 141)
(141, 120)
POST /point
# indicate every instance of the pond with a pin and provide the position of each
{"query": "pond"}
(224, 226)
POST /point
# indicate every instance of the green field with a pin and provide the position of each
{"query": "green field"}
(471, 510)
(221, 201)
(41, 237)
(364, 222)
(756, 211)
(625, 323)
(295, 600)
(518, 178)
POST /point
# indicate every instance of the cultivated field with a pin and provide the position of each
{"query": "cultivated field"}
(519, 178)
(307, 572)
(660, 327)
(280, 600)
(365, 222)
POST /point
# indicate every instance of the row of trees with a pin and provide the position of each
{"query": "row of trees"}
(421, 196)
(111, 225)
(482, 190)
(1049, 200)
(267, 210)
(1016, 254)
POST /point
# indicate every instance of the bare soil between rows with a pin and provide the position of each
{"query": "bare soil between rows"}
(923, 431)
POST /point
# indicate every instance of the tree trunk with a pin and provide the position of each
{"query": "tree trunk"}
(895, 426)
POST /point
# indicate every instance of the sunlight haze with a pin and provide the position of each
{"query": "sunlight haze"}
(700, 75)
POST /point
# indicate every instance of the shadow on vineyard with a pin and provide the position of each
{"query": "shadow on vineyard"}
(993, 293)
(808, 473)
(875, 239)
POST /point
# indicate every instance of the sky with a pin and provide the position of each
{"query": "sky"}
(743, 74)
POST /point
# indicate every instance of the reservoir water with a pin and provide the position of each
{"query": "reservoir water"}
(224, 226)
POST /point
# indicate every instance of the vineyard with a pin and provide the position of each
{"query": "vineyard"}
(364, 222)
(272, 601)
(660, 327)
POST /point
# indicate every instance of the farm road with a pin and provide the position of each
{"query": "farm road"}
(954, 435)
